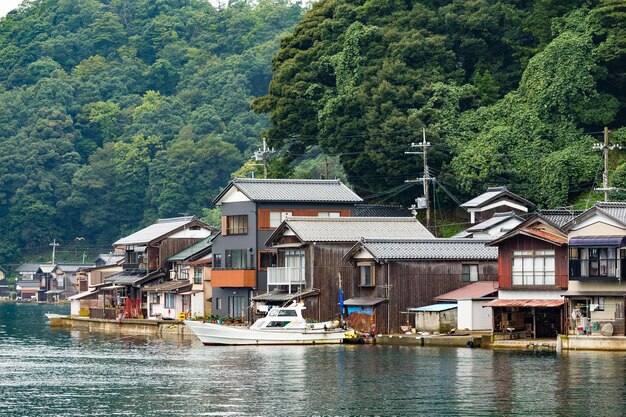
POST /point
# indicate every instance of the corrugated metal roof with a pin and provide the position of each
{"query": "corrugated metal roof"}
(154, 231)
(434, 308)
(363, 301)
(353, 229)
(493, 193)
(292, 190)
(284, 296)
(168, 286)
(133, 277)
(476, 290)
(380, 210)
(525, 303)
(192, 250)
(436, 248)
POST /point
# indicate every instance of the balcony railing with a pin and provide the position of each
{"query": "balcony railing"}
(285, 276)
(597, 269)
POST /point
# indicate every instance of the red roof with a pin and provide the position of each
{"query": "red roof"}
(525, 303)
(476, 290)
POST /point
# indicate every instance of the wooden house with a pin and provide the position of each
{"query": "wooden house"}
(392, 276)
(251, 211)
(311, 265)
(532, 270)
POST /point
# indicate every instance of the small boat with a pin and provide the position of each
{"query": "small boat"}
(281, 326)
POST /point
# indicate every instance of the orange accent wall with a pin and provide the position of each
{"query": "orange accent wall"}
(264, 215)
(233, 278)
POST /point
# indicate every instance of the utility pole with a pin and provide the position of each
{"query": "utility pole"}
(605, 148)
(261, 155)
(54, 245)
(425, 179)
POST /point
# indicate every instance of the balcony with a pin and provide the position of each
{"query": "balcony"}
(285, 276)
(233, 278)
(597, 269)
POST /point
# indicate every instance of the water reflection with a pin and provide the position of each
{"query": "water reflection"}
(47, 371)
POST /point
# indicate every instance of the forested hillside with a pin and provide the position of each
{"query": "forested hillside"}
(116, 112)
(511, 92)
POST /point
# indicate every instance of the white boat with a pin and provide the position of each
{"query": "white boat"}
(281, 326)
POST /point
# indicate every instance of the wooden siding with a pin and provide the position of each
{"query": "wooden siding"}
(413, 283)
(168, 248)
(233, 278)
(264, 214)
(522, 242)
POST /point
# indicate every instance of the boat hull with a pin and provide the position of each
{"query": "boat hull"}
(217, 334)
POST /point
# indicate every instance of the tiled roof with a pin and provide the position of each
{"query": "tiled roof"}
(192, 250)
(28, 283)
(542, 234)
(284, 296)
(559, 217)
(476, 290)
(380, 210)
(493, 193)
(110, 258)
(436, 248)
(160, 228)
(292, 190)
(168, 286)
(616, 210)
(353, 229)
(28, 268)
(74, 267)
(132, 277)
(495, 220)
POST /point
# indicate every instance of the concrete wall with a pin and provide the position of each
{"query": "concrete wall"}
(436, 321)
(197, 304)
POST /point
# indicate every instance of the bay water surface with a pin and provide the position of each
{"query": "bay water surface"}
(58, 372)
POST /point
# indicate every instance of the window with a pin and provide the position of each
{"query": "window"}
(236, 259)
(217, 260)
(329, 214)
(236, 306)
(294, 258)
(594, 262)
(277, 217)
(266, 260)
(155, 298)
(60, 282)
(218, 303)
(131, 256)
(236, 225)
(184, 274)
(170, 300)
(197, 275)
(533, 267)
(367, 275)
(469, 273)
(599, 303)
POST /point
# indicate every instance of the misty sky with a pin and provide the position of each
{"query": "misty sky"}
(7, 5)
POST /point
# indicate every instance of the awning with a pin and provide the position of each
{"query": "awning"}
(526, 303)
(140, 248)
(284, 296)
(363, 301)
(169, 286)
(82, 295)
(594, 294)
(54, 292)
(433, 308)
(288, 245)
(112, 287)
(598, 241)
(192, 292)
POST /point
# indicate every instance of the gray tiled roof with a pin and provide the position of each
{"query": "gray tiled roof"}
(353, 229)
(496, 219)
(28, 268)
(493, 193)
(293, 190)
(380, 210)
(132, 277)
(437, 248)
(615, 209)
(559, 217)
(160, 228)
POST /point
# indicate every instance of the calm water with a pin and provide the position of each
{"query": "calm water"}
(53, 372)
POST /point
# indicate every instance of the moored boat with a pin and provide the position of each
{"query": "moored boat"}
(281, 326)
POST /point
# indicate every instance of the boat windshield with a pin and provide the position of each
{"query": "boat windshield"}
(287, 313)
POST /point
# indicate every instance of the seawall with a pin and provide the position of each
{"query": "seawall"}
(159, 328)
